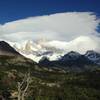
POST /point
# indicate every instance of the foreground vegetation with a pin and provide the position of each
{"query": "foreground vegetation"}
(50, 85)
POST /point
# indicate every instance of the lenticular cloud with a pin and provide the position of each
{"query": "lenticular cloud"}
(61, 26)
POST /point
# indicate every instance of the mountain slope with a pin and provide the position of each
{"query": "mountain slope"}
(9, 57)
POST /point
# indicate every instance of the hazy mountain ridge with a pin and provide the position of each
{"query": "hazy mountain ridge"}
(71, 61)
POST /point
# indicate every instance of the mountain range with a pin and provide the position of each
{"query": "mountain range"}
(51, 49)
(72, 60)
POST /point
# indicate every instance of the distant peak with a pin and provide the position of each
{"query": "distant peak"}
(73, 53)
(91, 52)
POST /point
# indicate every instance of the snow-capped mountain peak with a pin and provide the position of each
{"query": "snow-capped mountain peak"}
(36, 50)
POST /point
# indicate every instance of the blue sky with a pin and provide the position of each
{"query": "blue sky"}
(11, 10)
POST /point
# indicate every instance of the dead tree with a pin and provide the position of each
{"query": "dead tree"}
(23, 87)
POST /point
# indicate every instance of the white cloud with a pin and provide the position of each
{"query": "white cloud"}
(60, 26)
